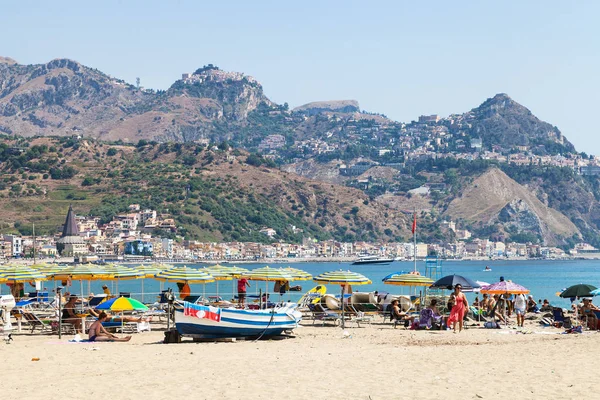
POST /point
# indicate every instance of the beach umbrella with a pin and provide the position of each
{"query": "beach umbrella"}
(297, 274)
(184, 275)
(412, 280)
(342, 278)
(448, 282)
(148, 271)
(580, 290)
(122, 304)
(17, 274)
(21, 274)
(394, 273)
(119, 272)
(81, 272)
(220, 273)
(504, 287)
(595, 292)
(408, 280)
(268, 274)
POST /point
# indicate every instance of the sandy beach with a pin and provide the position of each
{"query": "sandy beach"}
(371, 362)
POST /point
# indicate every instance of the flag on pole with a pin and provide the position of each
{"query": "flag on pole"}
(414, 225)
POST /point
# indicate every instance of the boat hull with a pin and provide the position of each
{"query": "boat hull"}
(377, 261)
(239, 323)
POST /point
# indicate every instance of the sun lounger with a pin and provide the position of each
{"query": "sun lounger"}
(324, 315)
(45, 325)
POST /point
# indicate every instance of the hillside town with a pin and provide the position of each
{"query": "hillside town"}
(129, 237)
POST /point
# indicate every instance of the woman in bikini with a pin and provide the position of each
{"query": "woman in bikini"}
(99, 334)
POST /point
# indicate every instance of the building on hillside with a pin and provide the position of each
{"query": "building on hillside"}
(70, 243)
(13, 246)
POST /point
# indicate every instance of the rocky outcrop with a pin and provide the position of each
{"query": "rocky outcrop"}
(501, 120)
(494, 198)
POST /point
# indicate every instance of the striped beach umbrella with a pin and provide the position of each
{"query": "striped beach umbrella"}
(220, 273)
(86, 272)
(297, 274)
(268, 274)
(343, 278)
(3, 279)
(408, 280)
(184, 275)
(21, 274)
(148, 271)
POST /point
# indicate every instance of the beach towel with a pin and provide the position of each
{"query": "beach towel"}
(198, 311)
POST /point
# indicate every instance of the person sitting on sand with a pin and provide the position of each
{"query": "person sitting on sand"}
(69, 315)
(532, 305)
(97, 333)
(546, 306)
(496, 302)
(588, 313)
(125, 318)
(398, 315)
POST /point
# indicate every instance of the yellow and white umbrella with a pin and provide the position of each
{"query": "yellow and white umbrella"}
(268, 274)
(343, 278)
(408, 280)
(148, 271)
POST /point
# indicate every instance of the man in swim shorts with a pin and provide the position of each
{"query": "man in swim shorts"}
(520, 304)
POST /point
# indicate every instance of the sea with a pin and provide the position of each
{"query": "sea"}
(544, 278)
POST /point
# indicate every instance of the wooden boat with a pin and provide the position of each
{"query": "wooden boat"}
(235, 323)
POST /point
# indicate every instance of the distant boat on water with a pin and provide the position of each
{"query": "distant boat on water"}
(372, 259)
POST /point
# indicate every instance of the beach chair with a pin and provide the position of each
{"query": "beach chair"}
(559, 318)
(46, 325)
(96, 300)
(33, 321)
(324, 315)
(356, 316)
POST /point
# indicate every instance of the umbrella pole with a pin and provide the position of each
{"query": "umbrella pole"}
(342, 304)
(143, 290)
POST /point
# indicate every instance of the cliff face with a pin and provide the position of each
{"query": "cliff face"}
(495, 199)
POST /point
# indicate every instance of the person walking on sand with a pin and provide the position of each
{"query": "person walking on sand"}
(458, 309)
(520, 304)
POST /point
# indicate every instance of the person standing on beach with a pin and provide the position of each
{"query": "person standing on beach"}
(242, 285)
(520, 304)
(458, 310)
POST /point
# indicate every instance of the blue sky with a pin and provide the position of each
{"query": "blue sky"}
(399, 58)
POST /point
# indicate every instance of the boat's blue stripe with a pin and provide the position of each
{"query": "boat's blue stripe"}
(216, 331)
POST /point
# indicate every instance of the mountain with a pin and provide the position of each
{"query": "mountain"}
(214, 194)
(316, 107)
(502, 121)
(528, 176)
(495, 199)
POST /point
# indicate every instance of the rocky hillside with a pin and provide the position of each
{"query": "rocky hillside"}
(502, 121)
(495, 199)
(214, 194)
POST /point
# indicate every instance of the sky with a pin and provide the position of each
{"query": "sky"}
(399, 58)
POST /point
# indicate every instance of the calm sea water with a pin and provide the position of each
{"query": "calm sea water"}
(542, 278)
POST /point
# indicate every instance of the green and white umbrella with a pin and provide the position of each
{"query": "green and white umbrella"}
(343, 278)
(408, 280)
(148, 271)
